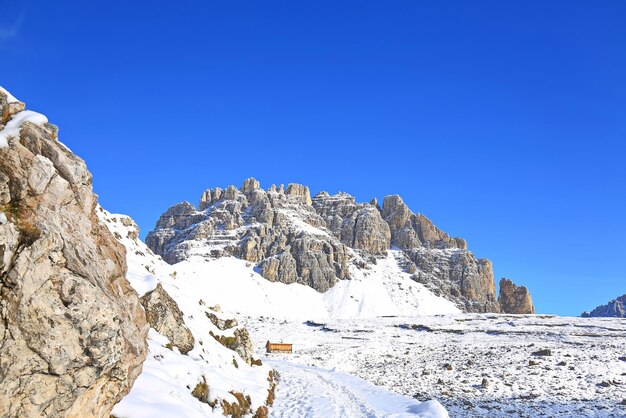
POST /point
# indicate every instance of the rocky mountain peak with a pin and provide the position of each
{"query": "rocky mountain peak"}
(300, 192)
(615, 308)
(250, 185)
(294, 238)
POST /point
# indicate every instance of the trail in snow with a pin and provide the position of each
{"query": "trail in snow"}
(312, 392)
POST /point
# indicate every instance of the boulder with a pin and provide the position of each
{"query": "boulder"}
(164, 316)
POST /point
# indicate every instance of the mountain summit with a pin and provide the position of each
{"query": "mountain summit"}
(321, 241)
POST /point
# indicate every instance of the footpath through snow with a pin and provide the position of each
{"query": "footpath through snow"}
(306, 391)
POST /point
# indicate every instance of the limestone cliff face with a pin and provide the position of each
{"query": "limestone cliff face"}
(359, 226)
(441, 261)
(72, 332)
(294, 238)
(515, 299)
(277, 229)
(615, 308)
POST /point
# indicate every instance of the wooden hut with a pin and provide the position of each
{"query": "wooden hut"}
(278, 347)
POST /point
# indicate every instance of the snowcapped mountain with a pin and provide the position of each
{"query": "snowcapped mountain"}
(615, 308)
(345, 250)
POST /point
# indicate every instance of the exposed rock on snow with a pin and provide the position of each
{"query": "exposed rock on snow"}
(164, 316)
(615, 308)
(318, 242)
(72, 332)
(515, 299)
(240, 343)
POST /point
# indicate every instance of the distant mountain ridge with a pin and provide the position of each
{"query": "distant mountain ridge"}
(615, 308)
(293, 238)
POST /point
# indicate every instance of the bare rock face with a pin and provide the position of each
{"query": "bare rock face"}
(410, 230)
(359, 226)
(515, 299)
(459, 276)
(271, 228)
(443, 263)
(300, 192)
(615, 308)
(72, 332)
(164, 316)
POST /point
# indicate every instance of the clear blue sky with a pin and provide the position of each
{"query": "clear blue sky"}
(502, 121)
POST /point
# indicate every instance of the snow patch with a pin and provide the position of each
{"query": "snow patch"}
(382, 290)
(12, 128)
(10, 97)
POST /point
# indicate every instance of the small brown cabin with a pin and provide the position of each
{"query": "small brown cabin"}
(278, 348)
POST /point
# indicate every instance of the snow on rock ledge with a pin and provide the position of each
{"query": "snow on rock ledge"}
(13, 116)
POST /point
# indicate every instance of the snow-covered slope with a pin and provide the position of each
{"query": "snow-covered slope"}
(381, 291)
(165, 386)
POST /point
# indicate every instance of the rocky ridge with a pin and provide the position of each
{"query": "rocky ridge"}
(293, 238)
(72, 331)
(615, 308)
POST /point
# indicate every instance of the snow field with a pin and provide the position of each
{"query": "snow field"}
(449, 357)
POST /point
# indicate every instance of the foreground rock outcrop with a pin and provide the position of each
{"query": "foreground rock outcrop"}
(615, 308)
(293, 238)
(199, 359)
(164, 316)
(72, 331)
(515, 299)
